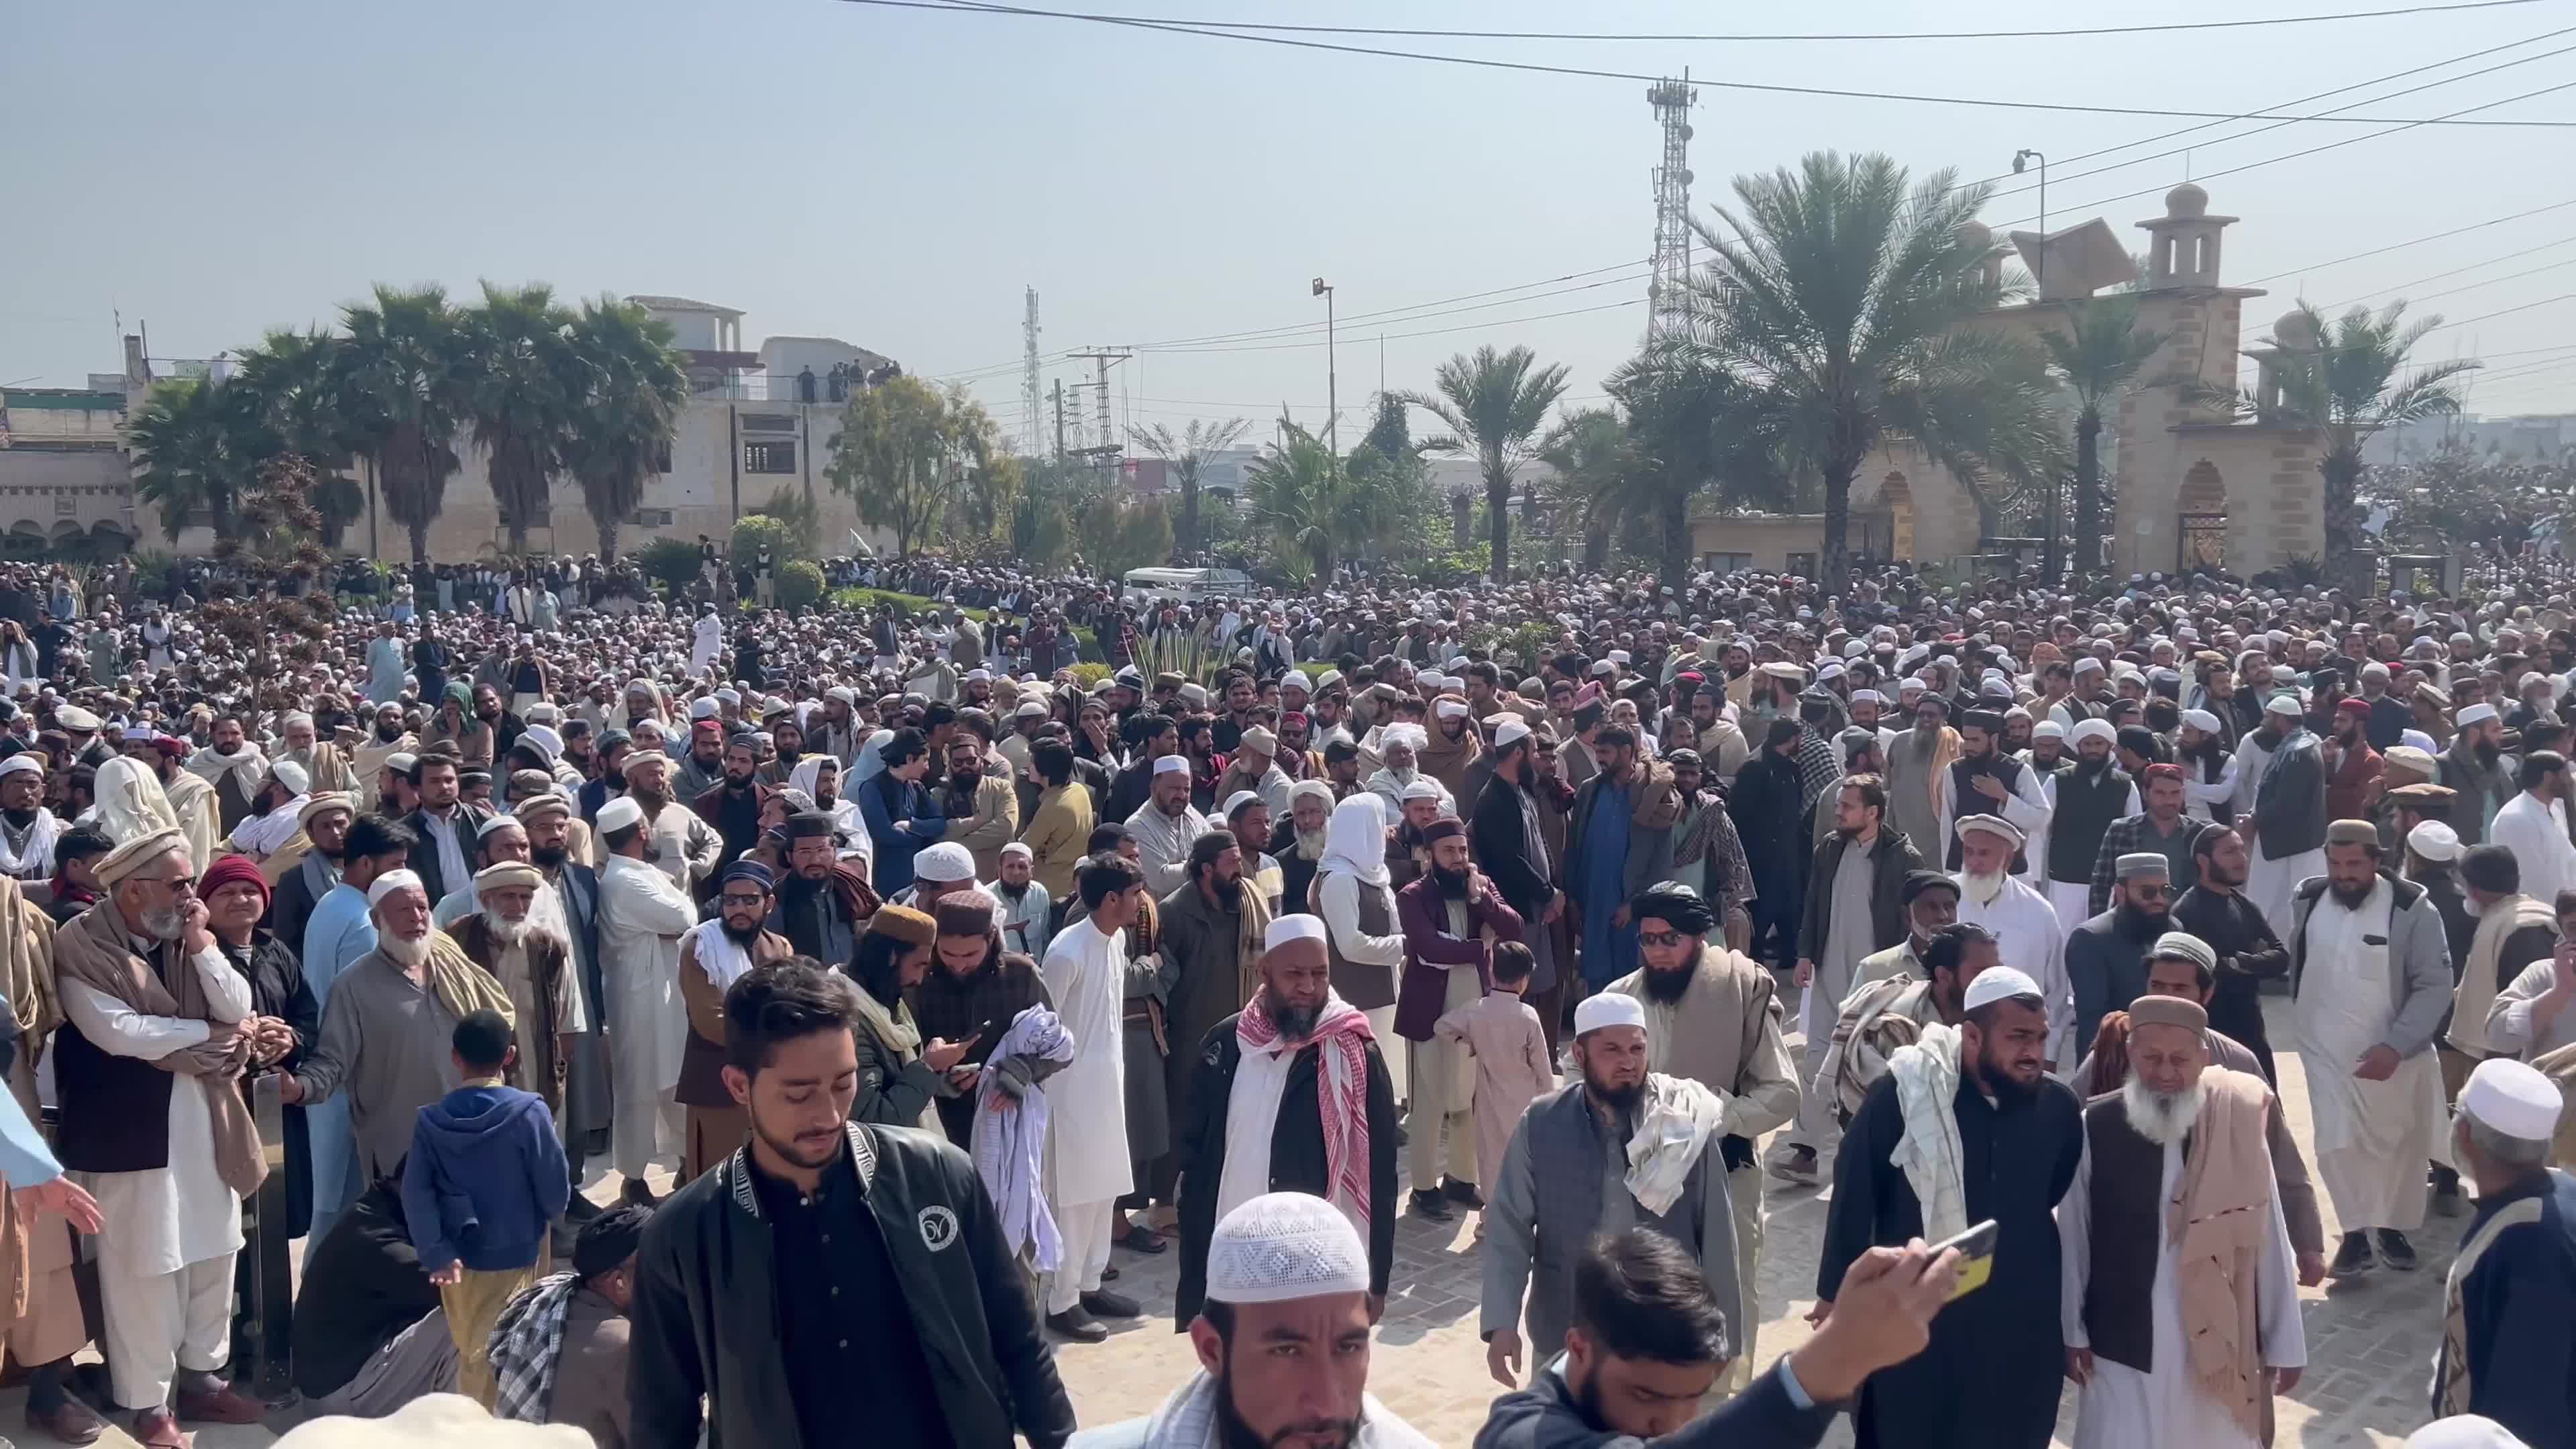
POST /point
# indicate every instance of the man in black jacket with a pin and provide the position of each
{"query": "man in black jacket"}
(1769, 811)
(369, 1335)
(831, 1274)
(446, 829)
(2216, 910)
(1649, 1340)
(1512, 851)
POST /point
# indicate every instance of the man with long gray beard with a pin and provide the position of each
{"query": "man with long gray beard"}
(2174, 1247)
(533, 963)
(2021, 920)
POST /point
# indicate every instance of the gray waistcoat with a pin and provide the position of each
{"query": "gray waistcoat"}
(1566, 1166)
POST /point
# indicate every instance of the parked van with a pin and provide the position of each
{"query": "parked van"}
(1189, 585)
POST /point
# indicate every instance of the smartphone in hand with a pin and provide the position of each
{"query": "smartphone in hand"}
(1976, 1257)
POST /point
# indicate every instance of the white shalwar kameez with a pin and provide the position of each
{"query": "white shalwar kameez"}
(168, 1236)
(641, 919)
(2125, 1409)
(1087, 1167)
(2372, 1138)
(2031, 939)
(707, 640)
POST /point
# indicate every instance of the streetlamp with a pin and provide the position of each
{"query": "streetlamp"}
(1332, 385)
(2039, 273)
(2022, 159)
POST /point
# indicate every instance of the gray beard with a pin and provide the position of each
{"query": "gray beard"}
(509, 933)
(1922, 743)
(2164, 1119)
(403, 952)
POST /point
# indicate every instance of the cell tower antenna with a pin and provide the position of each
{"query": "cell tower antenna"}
(1105, 453)
(1672, 101)
(1030, 401)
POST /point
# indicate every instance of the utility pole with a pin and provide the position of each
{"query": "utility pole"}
(1104, 453)
(1059, 420)
(1029, 378)
(1332, 382)
(1672, 101)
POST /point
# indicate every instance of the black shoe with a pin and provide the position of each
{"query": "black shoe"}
(1109, 1275)
(1079, 1326)
(1110, 1305)
(637, 1193)
(1141, 1239)
(1430, 1205)
(2352, 1257)
(2446, 1193)
(2395, 1251)
(1462, 1193)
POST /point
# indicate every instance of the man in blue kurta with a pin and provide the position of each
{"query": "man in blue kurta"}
(2509, 1309)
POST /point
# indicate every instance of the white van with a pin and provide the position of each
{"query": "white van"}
(1189, 585)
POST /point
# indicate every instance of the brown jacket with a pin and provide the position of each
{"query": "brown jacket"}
(541, 1068)
(702, 1055)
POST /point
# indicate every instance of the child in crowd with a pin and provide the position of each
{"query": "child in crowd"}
(1502, 1033)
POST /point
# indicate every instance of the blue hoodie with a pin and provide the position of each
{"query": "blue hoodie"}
(485, 1177)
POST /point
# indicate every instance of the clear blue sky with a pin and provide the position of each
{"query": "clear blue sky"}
(895, 177)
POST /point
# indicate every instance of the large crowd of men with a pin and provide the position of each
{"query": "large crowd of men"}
(931, 955)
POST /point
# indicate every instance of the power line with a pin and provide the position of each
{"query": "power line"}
(1894, 35)
(987, 7)
(1432, 332)
(2417, 242)
(1418, 311)
(2463, 287)
(2453, 272)
(2501, 312)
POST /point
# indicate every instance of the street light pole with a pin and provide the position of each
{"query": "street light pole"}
(2021, 159)
(1332, 381)
(2055, 554)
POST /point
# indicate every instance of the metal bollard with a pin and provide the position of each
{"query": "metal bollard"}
(269, 1295)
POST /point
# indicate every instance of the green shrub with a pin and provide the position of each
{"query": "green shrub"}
(754, 529)
(672, 562)
(800, 582)
(1089, 675)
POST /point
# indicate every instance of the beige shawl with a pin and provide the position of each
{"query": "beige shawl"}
(2482, 973)
(2218, 1222)
(462, 986)
(96, 951)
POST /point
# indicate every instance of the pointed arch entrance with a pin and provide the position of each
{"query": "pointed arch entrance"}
(2202, 534)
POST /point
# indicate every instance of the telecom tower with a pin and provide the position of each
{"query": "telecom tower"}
(1672, 100)
(1031, 404)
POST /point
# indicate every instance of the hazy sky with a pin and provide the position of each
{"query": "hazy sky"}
(895, 177)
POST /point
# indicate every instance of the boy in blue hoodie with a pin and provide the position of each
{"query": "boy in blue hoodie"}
(485, 1179)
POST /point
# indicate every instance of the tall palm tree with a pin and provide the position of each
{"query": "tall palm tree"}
(521, 379)
(197, 447)
(405, 386)
(1835, 292)
(1688, 425)
(625, 411)
(294, 377)
(1495, 404)
(1187, 453)
(2098, 358)
(2348, 380)
(1298, 494)
(1588, 449)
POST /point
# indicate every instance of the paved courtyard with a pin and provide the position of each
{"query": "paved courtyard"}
(2370, 1343)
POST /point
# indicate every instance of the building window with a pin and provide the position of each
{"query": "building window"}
(768, 422)
(649, 518)
(1727, 563)
(65, 505)
(778, 457)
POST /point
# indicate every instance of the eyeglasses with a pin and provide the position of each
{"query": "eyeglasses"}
(737, 898)
(180, 884)
(1660, 938)
(2151, 892)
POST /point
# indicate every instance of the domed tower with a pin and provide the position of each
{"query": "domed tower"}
(2291, 335)
(2182, 250)
(1977, 237)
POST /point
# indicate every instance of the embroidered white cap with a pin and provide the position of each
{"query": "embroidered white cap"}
(392, 881)
(1283, 1246)
(1608, 1008)
(618, 814)
(2513, 1098)
(1996, 983)
(1172, 765)
(1297, 926)
(944, 864)
(1511, 731)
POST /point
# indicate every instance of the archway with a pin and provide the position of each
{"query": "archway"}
(2202, 531)
(1896, 503)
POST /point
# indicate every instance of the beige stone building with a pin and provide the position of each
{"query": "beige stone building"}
(2193, 484)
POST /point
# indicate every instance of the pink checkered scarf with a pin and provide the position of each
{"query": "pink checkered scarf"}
(1341, 1082)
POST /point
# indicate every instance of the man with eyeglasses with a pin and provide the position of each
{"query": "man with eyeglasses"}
(2107, 955)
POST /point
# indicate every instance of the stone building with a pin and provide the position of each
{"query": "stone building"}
(2193, 483)
(65, 490)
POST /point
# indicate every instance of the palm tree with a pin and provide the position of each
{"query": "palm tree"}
(624, 412)
(1187, 453)
(1835, 294)
(294, 377)
(1298, 495)
(197, 447)
(521, 379)
(2344, 380)
(405, 386)
(2098, 358)
(1494, 404)
(1588, 449)
(1688, 425)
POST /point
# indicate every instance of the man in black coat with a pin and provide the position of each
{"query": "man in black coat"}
(441, 824)
(831, 1280)
(2021, 1136)
(1769, 811)
(364, 1338)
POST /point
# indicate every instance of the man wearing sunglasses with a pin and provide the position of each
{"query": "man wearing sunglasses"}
(2107, 955)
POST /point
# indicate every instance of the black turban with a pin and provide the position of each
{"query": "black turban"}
(1678, 904)
(609, 1239)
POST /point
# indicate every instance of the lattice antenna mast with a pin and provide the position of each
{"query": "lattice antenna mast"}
(1672, 101)
(1031, 403)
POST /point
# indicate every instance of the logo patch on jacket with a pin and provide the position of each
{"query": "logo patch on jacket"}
(938, 1227)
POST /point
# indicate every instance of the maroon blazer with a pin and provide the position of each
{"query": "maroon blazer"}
(1424, 918)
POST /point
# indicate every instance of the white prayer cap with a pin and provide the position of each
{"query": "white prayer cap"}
(392, 881)
(1297, 926)
(501, 821)
(2513, 1098)
(292, 775)
(843, 693)
(2417, 739)
(729, 695)
(618, 814)
(401, 763)
(1283, 1246)
(1994, 825)
(1237, 801)
(2434, 841)
(2464, 1431)
(2475, 714)
(2094, 729)
(2284, 704)
(22, 763)
(944, 864)
(1295, 679)
(1450, 709)
(431, 1421)
(1411, 736)
(1423, 789)
(1608, 1008)
(1510, 732)
(704, 708)
(1029, 709)
(2201, 720)
(2048, 729)
(1019, 848)
(975, 674)
(1172, 765)
(1603, 666)
(1260, 740)
(2086, 664)
(1994, 984)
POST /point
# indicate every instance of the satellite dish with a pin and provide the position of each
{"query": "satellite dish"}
(1687, 132)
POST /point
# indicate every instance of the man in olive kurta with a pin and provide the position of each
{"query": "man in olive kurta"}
(1203, 971)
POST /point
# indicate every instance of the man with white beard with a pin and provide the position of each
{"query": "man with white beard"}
(533, 962)
(1399, 748)
(2023, 923)
(2181, 1310)
(2370, 977)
